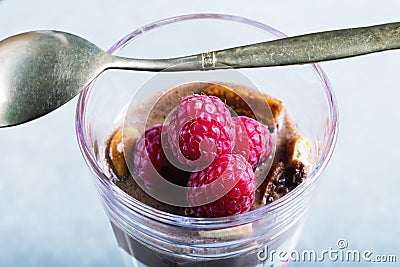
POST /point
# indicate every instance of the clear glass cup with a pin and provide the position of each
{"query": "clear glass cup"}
(149, 237)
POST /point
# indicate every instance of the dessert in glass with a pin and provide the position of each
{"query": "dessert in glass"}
(272, 132)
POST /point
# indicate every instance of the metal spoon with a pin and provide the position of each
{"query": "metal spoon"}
(42, 70)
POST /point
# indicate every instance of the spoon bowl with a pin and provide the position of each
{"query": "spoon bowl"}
(43, 70)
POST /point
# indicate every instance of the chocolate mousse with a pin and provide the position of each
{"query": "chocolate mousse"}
(286, 167)
(291, 159)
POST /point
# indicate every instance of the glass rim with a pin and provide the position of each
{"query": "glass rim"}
(179, 220)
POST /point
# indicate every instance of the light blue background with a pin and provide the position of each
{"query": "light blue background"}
(50, 214)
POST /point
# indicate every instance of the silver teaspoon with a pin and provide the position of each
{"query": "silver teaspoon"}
(42, 70)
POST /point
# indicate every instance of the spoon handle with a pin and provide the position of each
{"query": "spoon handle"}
(309, 48)
(314, 47)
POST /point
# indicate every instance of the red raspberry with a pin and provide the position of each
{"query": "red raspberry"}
(204, 137)
(206, 117)
(253, 140)
(151, 162)
(235, 174)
